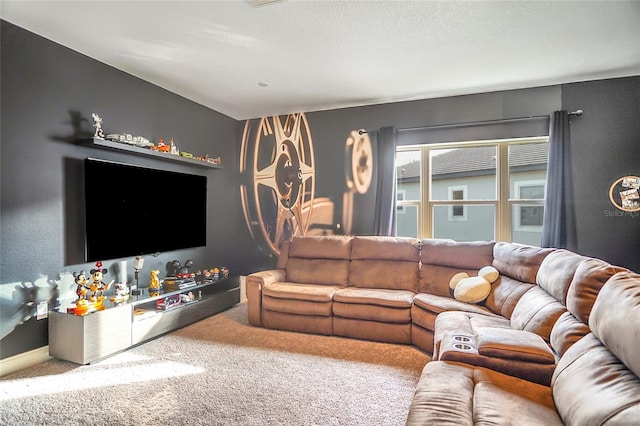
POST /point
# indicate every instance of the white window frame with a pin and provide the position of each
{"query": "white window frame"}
(503, 204)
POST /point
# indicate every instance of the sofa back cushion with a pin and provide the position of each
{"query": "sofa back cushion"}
(442, 259)
(615, 318)
(597, 381)
(587, 281)
(537, 311)
(319, 260)
(505, 294)
(556, 273)
(575, 281)
(385, 263)
(518, 261)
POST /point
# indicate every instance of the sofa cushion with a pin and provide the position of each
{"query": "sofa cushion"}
(380, 297)
(537, 312)
(588, 279)
(442, 259)
(591, 386)
(321, 247)
(385, 263)
(615, 318)
(566, 331)
(505, 294)
(438, 304)
(451, 393)
(513, 344)
(434, 279)
(463, 255)
(556, 273)
(318, 271)
(517, 261)
(295, 291)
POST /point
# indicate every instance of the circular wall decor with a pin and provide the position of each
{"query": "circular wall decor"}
(624, 193)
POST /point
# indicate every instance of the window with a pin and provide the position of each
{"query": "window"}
(489, 190)
(400, 196)
(457, 212)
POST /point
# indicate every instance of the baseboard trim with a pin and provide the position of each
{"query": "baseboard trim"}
(24, 360)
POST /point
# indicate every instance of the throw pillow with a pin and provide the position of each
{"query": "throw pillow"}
(472, 290)
(489, 273)
(453, 282)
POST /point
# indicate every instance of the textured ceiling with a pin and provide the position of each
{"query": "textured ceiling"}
(318, 55)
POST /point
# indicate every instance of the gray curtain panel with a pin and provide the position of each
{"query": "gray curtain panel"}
(384, 221)
(558, 227)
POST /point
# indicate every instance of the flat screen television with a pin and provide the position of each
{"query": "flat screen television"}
(132, 210)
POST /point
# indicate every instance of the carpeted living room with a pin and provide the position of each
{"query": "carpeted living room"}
(309, 212)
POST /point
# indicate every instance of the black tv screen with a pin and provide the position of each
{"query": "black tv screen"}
(132, 210)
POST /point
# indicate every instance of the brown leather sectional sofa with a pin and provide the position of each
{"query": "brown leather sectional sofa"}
(556, 341)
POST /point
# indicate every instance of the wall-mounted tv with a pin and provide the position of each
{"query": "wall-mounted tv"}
(132, 210)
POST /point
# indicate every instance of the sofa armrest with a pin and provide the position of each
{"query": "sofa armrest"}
(513, 344)
(255, 283)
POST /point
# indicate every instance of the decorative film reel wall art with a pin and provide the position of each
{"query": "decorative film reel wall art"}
(278, 173)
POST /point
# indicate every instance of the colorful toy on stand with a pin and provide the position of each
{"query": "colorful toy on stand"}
(82, 288)
(121, 293)
(154, 283)
(94, 303)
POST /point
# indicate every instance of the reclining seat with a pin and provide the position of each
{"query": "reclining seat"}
(298, 295)
(382, 283)
(440, 261)
(547, 320)
(518, 266)
(596, 381)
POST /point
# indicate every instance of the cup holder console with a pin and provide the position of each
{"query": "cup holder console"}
(462, 347)
(464, 339)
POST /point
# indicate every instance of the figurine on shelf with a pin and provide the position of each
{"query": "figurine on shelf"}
(81, 281)
(97, 123)
(154, 283)
(173, 150)
(97, 286)
(180, 271)
(121, 293)
(161, 147)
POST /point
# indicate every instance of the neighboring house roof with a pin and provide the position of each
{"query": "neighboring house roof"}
(476, 161)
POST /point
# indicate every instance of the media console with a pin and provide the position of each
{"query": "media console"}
(97, 335)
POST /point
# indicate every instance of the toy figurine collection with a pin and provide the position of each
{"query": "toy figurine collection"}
(90, 288)
(142, 142)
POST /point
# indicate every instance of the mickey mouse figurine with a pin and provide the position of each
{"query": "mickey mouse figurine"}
(81, 281)
(97, 286)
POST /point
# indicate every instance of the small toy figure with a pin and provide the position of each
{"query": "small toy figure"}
(154, 281)
(97, 286)
(224, 272)
(97, 123)
(174, 149)
(180, 271)
(81, 290)
(121, 294)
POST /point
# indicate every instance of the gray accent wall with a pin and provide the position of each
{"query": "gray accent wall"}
(606, 146)
(48, 95)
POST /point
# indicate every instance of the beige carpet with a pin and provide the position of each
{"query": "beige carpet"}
(222, 371)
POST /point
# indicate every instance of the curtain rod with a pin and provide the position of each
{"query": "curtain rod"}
(575, 113)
